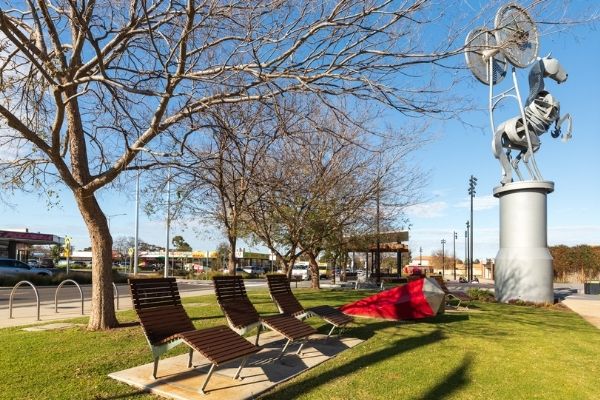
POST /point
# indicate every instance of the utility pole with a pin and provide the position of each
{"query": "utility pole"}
(443, 254)
(454, 253)
(472, 184)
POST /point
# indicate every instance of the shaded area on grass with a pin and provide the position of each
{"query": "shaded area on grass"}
(453, 382)
(397, 347)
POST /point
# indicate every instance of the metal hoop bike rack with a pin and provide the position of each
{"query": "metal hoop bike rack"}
(116, 294)
(61, 285)
(37, 298)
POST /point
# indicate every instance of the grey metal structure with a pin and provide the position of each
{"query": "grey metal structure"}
(61, 285)
(12, 293)
(523, 263)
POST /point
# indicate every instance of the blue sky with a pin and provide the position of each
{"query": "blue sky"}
(457, 152)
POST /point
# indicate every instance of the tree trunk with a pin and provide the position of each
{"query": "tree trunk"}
(314, 270)
(231, 259)
(103, 307)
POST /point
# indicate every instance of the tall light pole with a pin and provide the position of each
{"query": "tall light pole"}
(472, 184)
(454, 236)
(137, 209)
(420, 255)
(168, 223)
(466, 263)
(137, 225)
(443, 260)
(108, 217)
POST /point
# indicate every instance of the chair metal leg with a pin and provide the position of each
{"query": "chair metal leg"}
(210, 372)
(300, 348)
(257, 335)
(284, 349)
(155, 367)
(243, 363)
(331, 331)
(191, 353)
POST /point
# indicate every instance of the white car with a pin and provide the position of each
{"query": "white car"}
(253, 270)
(12, 267)
(301, 272)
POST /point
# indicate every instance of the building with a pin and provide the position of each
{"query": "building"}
(17, 243)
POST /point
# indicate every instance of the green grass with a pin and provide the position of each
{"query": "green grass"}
(496, 351)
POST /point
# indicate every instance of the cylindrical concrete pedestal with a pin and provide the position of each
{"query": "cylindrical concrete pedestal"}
(524, 264)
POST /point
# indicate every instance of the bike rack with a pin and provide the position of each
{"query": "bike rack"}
(37, 298)
(116, 294)
(61, 285)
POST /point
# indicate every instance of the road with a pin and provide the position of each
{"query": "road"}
(25, 296)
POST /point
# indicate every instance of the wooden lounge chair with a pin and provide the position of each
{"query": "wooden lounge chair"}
(166, 325)
(455, 295)
(243, 317)
(281, 293)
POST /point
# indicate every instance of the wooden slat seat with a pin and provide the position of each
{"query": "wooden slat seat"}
(457, 295)
(166, 324)
(243, 317)
(287, 303)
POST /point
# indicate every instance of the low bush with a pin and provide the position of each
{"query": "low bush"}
(481, 295)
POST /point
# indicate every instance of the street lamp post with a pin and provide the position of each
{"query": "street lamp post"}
(443, 258)
(454, 252)
(137, 225)
(168, 224)
(420, 256)
(472, 184)
(137, 210)
(108, 217)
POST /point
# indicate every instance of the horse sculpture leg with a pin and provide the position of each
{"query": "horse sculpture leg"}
(503, 157)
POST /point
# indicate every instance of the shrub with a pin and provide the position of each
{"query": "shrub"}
(481, 295)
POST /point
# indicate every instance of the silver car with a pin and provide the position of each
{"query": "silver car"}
(12, 267)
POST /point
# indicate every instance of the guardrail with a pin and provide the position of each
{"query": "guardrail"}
(61, 285)
(10, 300)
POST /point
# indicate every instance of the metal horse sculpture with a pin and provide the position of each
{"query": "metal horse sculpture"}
(540, 112)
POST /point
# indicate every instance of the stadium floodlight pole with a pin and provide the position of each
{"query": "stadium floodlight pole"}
(443, 254)
(472, 184)
(466, 263)
(455, 236)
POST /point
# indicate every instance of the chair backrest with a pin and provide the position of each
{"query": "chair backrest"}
(158, 305)
(234, 302)
(440, 281)
(281, 293)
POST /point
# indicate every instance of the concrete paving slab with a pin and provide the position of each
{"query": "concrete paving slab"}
(261, 373)
(586, 305)
(52, 327)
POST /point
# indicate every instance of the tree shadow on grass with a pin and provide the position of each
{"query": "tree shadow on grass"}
(395, 348)
(452, 382)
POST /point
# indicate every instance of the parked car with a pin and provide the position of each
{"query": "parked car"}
(12, 267)
(46, 263)
(33, 263)
(301, 272)
(253, 270)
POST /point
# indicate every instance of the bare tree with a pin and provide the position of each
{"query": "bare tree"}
(88, 85)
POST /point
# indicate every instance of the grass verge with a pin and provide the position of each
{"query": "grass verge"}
(495, 351)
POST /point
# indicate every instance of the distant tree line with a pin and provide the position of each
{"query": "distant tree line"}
(580, 262)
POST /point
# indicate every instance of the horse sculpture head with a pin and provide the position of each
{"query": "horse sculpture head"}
(553, 69)
(546, 67)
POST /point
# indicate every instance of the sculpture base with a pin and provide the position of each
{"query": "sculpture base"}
(524, 263)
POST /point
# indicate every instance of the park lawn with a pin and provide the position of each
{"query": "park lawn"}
(494, 351)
